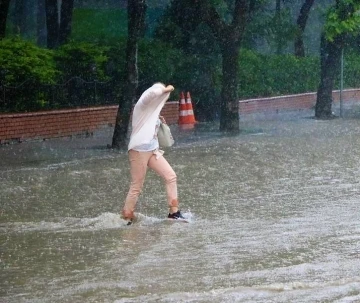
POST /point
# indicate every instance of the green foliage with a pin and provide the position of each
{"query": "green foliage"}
(21, 60)
(24, 68)
(82, 66)
(271, 75)
(200, 73)
(178, 24)
(278, 30)
(83, 60)
(351, 71)
(115, 67)
(343, 18)
(116, 59)
(157, 62)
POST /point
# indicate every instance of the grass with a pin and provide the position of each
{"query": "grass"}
(107, 24)
(95, 25)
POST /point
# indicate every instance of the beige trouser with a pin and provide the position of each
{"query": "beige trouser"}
(139, 162)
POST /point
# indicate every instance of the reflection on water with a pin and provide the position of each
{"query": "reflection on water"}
(274, 217)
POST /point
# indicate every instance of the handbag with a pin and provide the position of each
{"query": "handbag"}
(164, 135)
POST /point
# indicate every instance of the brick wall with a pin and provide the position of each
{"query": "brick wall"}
(171, 112)
(291, 102)
(63, 123)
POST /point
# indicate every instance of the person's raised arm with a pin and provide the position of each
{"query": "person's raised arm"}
(154, 92)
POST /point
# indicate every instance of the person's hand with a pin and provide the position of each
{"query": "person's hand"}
(169, 88)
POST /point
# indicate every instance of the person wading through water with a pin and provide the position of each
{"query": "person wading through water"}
(143, 150)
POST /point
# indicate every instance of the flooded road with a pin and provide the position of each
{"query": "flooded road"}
(274, 217)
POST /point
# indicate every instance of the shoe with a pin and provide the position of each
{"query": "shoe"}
(127, 216)
(130, 221)
(177, 215)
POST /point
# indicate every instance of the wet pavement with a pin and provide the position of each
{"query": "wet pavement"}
(274, 217)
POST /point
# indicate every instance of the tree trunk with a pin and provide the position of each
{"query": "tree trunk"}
(229, 119)
(41, 23)
(299, 49)
(4, 9)
(65, 21)
(330, 53)
(279, 43)
(229, 37)
(52, 23)
(136, 20)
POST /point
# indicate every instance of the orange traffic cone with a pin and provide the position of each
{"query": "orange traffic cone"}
(190, 111)
(182, 110)
(186, 112)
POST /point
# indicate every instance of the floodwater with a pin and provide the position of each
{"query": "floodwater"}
(274, 217)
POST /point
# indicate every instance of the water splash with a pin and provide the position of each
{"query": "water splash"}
(104, 221)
